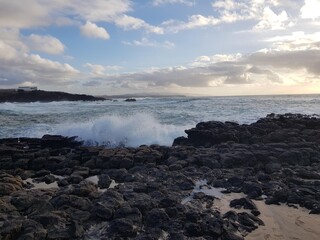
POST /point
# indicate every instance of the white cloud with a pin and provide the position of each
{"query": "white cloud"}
(270, 20)
(163, 2)
(14, 14)
(91, 30)
(205, 60)
(30, 13)
(297, 41)
(98, 70)
(99, 10)
(10, 52)
(230, 11)
(18, 66)
(310, 9)
(195, 21)
(33, 68)
(12, 37)
(132, 23)
(46, 44)
(145, 42)
(273, 67)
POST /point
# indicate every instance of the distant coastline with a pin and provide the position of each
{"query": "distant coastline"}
(12, 95)
(140, 95)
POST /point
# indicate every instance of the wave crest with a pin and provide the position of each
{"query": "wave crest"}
(133, 131)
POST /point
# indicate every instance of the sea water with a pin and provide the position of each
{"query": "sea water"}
(152, 120)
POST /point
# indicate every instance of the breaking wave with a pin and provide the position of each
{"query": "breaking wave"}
(133, 131)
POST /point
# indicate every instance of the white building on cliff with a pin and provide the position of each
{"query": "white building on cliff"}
(27, 89)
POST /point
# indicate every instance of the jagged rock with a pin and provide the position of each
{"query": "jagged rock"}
(122, 228)
(104, 181)
(22, 229)
(157, 218)
(57, 141)
(193, 229)
(243, 202)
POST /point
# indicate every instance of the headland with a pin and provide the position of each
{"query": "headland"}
(13, 95)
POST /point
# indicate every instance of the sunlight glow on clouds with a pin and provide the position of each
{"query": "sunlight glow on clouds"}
(270, 20)
(310, 9)
(161, 45)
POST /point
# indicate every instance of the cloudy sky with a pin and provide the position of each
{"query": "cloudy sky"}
(197, 47)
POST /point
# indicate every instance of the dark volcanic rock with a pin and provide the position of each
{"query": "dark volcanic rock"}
(44, 96)
(57, 141)
(273, 128)
(130, 100)
(157, 218)
(243, 202)
(160, 192)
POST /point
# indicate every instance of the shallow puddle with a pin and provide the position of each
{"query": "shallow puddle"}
(40, 185)
(95, 179)
(202, 186)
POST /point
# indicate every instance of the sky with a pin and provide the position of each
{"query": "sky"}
(192, 47)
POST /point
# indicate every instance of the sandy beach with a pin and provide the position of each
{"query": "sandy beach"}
(281, 221)
(285, 223)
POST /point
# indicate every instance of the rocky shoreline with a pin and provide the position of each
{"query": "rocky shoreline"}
(44, 96)
(55, 188)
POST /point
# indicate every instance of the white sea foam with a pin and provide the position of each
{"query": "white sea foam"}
(133, 131)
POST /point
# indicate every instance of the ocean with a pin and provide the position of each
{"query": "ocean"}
(151, 120)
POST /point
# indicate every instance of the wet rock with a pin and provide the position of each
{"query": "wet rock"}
(236, 181)
(102, 211)
(83, 189)
(122, 228)
(193, 230)
(41, 173)
(246, 203)
(306, 174)
(74, 179)
(64, 200)
(250, 187)
(280, 196)
(104, 181)
(157, 218)
(141, 201)
(32, 202)
(212, 226)
(132, 214)
(57, 141)
(22, 229)
(272, 167)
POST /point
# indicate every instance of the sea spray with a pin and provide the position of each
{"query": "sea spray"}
(133, 130)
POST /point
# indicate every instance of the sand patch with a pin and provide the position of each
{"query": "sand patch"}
(285, 223)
